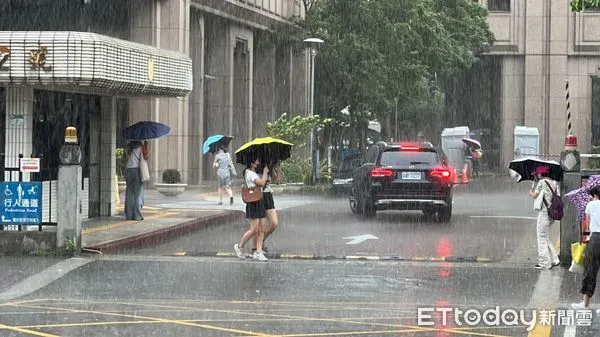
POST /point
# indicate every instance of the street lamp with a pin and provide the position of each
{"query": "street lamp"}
(313, 43)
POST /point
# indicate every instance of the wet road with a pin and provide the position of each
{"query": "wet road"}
(490, 221)
(189, 296)
(152, 294)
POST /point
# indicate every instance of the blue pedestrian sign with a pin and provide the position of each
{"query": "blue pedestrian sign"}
(21, 203)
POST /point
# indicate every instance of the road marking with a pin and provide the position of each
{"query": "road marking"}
(570, 331)
(25, 331)
(545, 297)
(504, 217)
(42, 279)
(155, 319)
(106, 227)
(354, 240)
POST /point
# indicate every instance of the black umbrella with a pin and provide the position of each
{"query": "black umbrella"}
(525, 167)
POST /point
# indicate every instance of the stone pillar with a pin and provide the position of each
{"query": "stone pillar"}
(108, 145)
(164, 24)
(264, 84)
(241, 45)
(69, 205)
(217, 70)
(512, 104)
(94, 164)
(196, 99)
(535, 70)
(19, 126)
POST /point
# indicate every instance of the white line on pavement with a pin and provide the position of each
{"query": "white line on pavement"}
(504, 216)
(43, 278)
(545, 295)
(570, 330)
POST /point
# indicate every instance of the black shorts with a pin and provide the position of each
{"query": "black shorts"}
(268, 198)
(256, 210)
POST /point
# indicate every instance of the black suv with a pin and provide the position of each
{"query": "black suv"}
(403, 176)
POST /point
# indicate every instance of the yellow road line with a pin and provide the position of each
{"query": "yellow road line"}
(540, 331)
(156, 319)
(26, 331)
(349, 333)
(335, 320)
(121, 224)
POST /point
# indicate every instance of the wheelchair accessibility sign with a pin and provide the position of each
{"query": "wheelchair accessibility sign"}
(21, 203)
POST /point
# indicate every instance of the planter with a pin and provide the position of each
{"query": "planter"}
(122, 186)
(170, 190)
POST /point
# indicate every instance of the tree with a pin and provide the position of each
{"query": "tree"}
(380, 51)
(580, 5)
(297, 129)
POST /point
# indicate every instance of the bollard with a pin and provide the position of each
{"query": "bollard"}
(569, 225)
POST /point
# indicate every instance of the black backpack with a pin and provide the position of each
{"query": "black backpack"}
(555, 211)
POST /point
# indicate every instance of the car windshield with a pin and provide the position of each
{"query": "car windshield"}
(396, 158)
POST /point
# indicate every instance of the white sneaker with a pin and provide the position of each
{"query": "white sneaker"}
(260, 256)
(239, 251)
(578, 306)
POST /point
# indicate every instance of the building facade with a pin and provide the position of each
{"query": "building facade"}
(540, 45)
(241, 79)
(202, 67)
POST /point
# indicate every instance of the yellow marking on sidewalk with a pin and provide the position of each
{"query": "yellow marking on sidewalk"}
(484, 259)
(151, 319)
(180, 254)
(103, 228)
(26, 331)
(225, 254)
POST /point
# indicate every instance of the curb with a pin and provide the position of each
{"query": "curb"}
(276, 256)
(161, 235)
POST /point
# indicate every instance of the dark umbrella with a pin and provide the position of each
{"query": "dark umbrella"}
(269, 150)
(210, 145)
(146, 130)
(525, 167)
(472, 142)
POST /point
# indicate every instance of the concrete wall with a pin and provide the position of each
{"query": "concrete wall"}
(23, 243)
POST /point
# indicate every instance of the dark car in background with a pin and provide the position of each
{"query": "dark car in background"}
(403, 176)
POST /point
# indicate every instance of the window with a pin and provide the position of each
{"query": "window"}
(395, 158)
(499, 5)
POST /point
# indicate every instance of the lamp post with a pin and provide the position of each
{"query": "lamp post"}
(313, 43)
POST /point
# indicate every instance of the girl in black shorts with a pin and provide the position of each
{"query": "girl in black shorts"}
(255, 212)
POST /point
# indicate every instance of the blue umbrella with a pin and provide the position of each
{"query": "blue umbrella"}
(146, 130)
(211, 142)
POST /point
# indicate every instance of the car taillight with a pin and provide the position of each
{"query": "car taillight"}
(441, 174)
(382, 173)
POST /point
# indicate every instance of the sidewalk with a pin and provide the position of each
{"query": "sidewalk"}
(164, 218)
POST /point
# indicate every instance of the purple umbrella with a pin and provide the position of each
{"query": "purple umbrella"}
(581, 196)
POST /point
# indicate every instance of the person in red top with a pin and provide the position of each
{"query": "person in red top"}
(145, 154)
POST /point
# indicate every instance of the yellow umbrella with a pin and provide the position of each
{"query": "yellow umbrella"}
(267, 149)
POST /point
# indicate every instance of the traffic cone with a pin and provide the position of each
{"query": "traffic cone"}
(454, 176)
(465, 178)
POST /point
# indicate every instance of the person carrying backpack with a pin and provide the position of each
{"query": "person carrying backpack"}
(545, 192)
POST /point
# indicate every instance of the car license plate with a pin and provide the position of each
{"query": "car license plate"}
(411, 175)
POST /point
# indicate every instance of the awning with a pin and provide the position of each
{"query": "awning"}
(87, 60)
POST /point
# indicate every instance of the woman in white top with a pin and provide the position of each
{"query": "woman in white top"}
(225, 171)
(547, 256)
(256, 212)
(591, 263)
(133, 179)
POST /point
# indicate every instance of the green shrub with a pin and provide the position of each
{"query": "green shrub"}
(171, 176)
